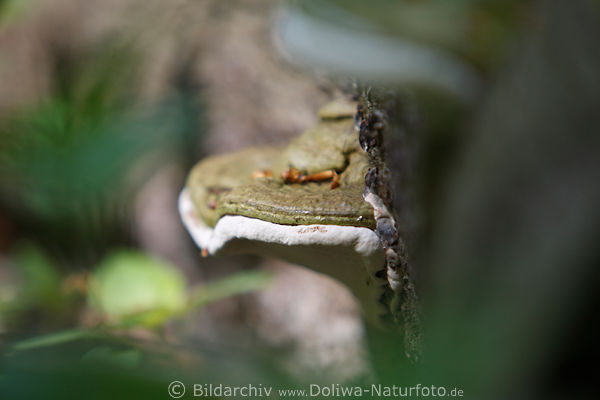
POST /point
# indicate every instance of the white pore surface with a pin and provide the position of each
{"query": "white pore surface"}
(349, 254)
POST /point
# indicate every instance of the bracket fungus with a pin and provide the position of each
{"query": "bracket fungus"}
(302, 203)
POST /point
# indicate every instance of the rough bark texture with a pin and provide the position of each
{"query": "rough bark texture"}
(377, 121)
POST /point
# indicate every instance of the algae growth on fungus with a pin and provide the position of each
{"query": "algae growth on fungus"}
(223, 185)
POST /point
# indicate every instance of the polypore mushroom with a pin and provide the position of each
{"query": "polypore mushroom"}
(302, 203)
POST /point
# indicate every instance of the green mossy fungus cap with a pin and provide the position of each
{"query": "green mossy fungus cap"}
(223, 184)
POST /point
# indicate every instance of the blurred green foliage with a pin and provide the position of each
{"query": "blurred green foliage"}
(70, 165)
(127, 289)
(39, 279)
(130, 290)
(127, 283)
(11, 10)
(33, 298)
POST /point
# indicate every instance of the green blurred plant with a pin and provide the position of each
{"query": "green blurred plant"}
(129, 282)
(40, 281)
(34, 296)
(11, 10)
(70, 165)
(128, 289)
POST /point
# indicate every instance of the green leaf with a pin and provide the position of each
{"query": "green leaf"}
(40, 283)
(53, 339)
(129, 283)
